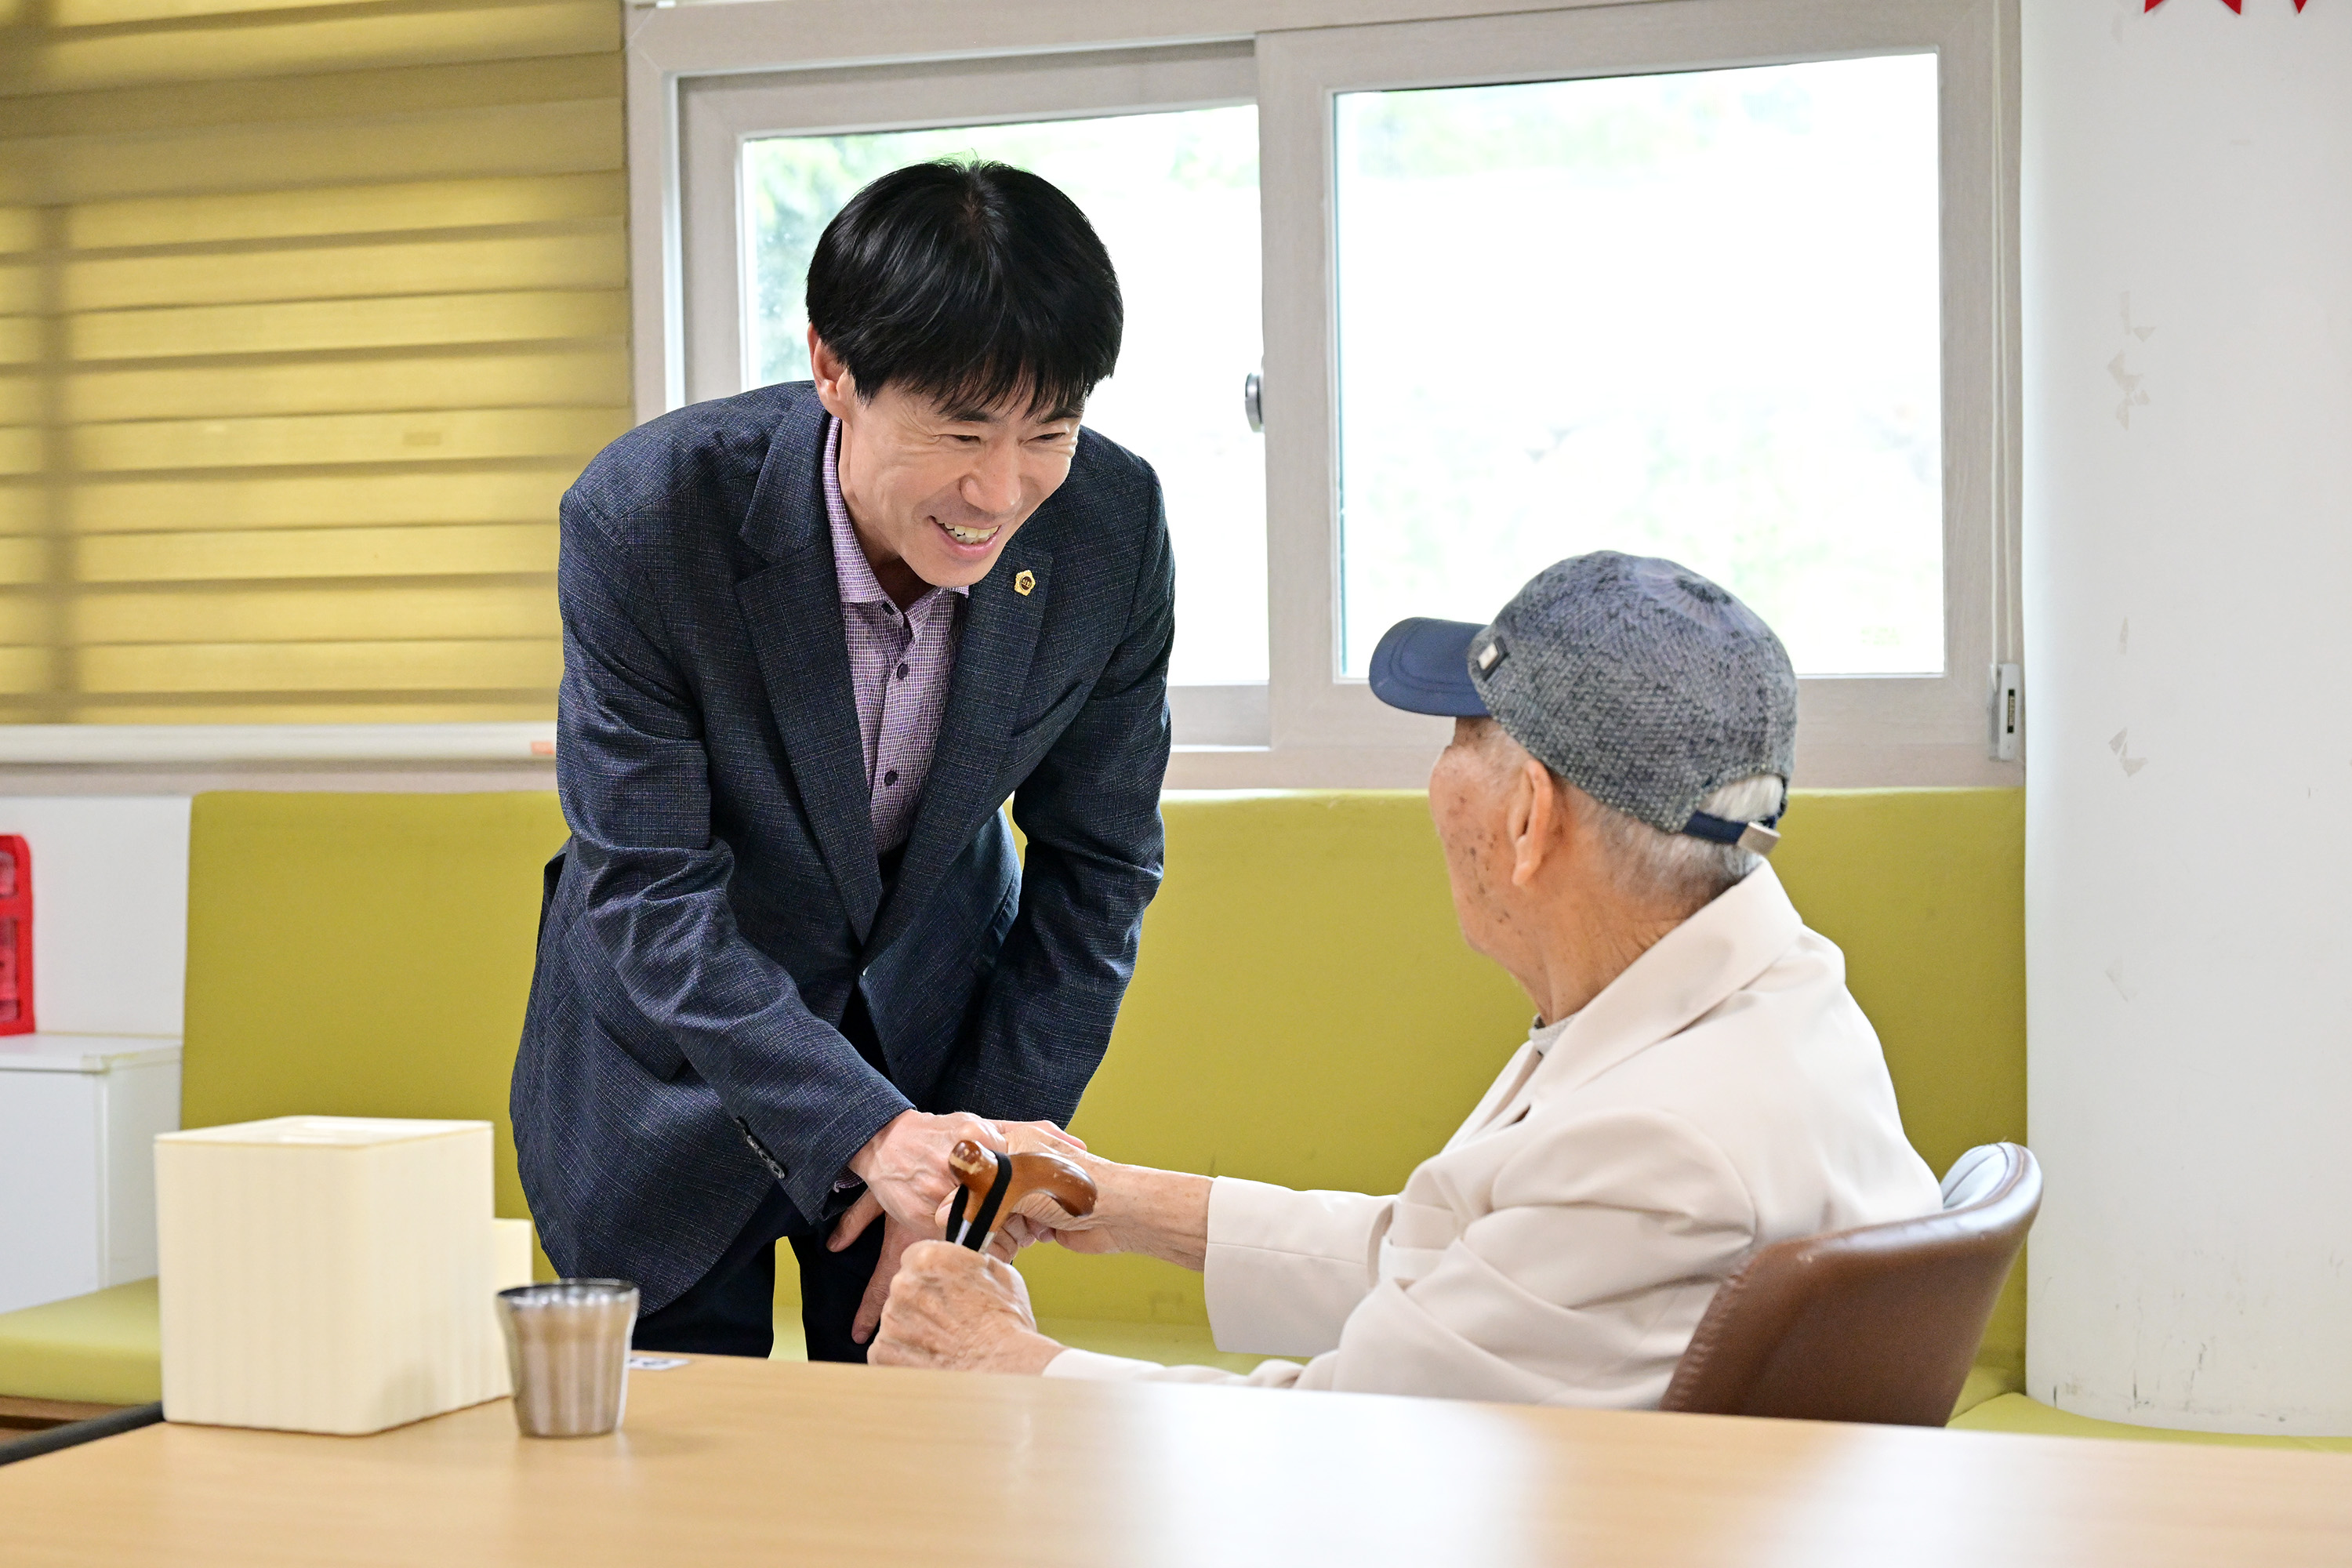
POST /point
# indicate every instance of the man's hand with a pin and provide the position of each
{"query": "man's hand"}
(1011, 1235)
(905, 1166)
(895, 1239)
(953, 1309)
(1015, 1229)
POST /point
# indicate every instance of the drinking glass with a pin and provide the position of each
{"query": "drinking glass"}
(568, 1348)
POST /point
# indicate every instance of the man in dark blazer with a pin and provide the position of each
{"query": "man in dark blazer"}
(814, 636)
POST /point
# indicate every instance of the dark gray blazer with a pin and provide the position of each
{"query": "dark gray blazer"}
(720, 897)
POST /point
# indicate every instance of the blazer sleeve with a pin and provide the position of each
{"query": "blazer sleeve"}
(635, 783)
(1284, 1268)
(1090, 812)
(1580, 1285)
(1284, 1271)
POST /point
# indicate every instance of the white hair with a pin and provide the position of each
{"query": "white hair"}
(1689, 872)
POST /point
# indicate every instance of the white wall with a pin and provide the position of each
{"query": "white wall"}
(110, 910)
(2188, 265)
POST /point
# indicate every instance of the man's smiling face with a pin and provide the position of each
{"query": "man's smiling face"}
(937, 490)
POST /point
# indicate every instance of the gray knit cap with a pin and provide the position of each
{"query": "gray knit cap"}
(1639, 682)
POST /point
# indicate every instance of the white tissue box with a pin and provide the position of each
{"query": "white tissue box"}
(331, 1274)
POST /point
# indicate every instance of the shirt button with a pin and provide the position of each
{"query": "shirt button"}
(891, 777)
(902, 672)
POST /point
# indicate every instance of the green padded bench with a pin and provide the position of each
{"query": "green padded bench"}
(97, 1349)
(348, 956)
(1303, 1010)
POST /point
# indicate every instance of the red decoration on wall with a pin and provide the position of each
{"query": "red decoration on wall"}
(2237, 5)
(15, 935)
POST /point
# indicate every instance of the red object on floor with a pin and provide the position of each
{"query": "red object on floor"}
(15, 935)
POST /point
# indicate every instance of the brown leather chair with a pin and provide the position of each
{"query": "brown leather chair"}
(1878, 1324)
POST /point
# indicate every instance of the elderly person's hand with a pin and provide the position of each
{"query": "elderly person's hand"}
(1161, 1213)
(953, 1309)
(897, 1235)
(1030, 1221)
(1013, 1229)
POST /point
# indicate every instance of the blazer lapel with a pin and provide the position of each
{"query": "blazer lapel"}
(1509, 1085)
(1718, 951)
(792, 613)
(1000, 635)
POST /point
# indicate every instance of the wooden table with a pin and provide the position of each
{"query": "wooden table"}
(742, 1462)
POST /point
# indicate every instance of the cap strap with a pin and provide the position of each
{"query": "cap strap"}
(976, 1237)
(1756, 838)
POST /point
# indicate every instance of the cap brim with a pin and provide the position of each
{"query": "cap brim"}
(1424, 666)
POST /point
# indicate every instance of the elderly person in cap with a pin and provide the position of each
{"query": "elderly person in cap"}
(1697, 1083)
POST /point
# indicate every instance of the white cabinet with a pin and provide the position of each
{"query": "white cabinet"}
(78, 1115)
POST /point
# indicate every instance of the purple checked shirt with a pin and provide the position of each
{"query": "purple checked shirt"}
(898, 666)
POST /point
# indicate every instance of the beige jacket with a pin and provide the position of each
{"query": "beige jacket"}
(1724, 1093)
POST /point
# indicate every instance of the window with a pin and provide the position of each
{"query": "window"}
(1174, 197)
(1726, 280)
(1700, 322)
(1170, 180)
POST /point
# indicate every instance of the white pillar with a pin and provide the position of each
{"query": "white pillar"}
(2187, 336)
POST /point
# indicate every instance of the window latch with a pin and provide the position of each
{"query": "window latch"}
(2008, 710)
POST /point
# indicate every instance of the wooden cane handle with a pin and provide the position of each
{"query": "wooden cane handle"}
(1068, 1186)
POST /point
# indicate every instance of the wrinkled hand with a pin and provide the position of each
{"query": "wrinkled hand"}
(895, 1239)
(1040, 1137)
(1014, 1231)
(887, 1151)
(1038, 1217)
(1158, 1214)
(1015, 1228)
(952, 1310)
(905, 1168)
(1114, 1225)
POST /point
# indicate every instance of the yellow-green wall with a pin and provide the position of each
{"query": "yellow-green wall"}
(362, 955)
(1303, 1010)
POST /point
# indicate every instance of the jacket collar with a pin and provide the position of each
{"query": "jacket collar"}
(966, 785)
(791, 612)
(787, 516)
(1685, 975)
(792, 609)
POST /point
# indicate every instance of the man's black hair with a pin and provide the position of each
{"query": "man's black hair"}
(971, 282)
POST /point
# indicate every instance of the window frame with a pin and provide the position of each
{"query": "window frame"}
(1882, 730)
(717, 116)
(1310, 726)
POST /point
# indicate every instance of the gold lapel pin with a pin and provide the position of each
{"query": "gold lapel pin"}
(1025, 583)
